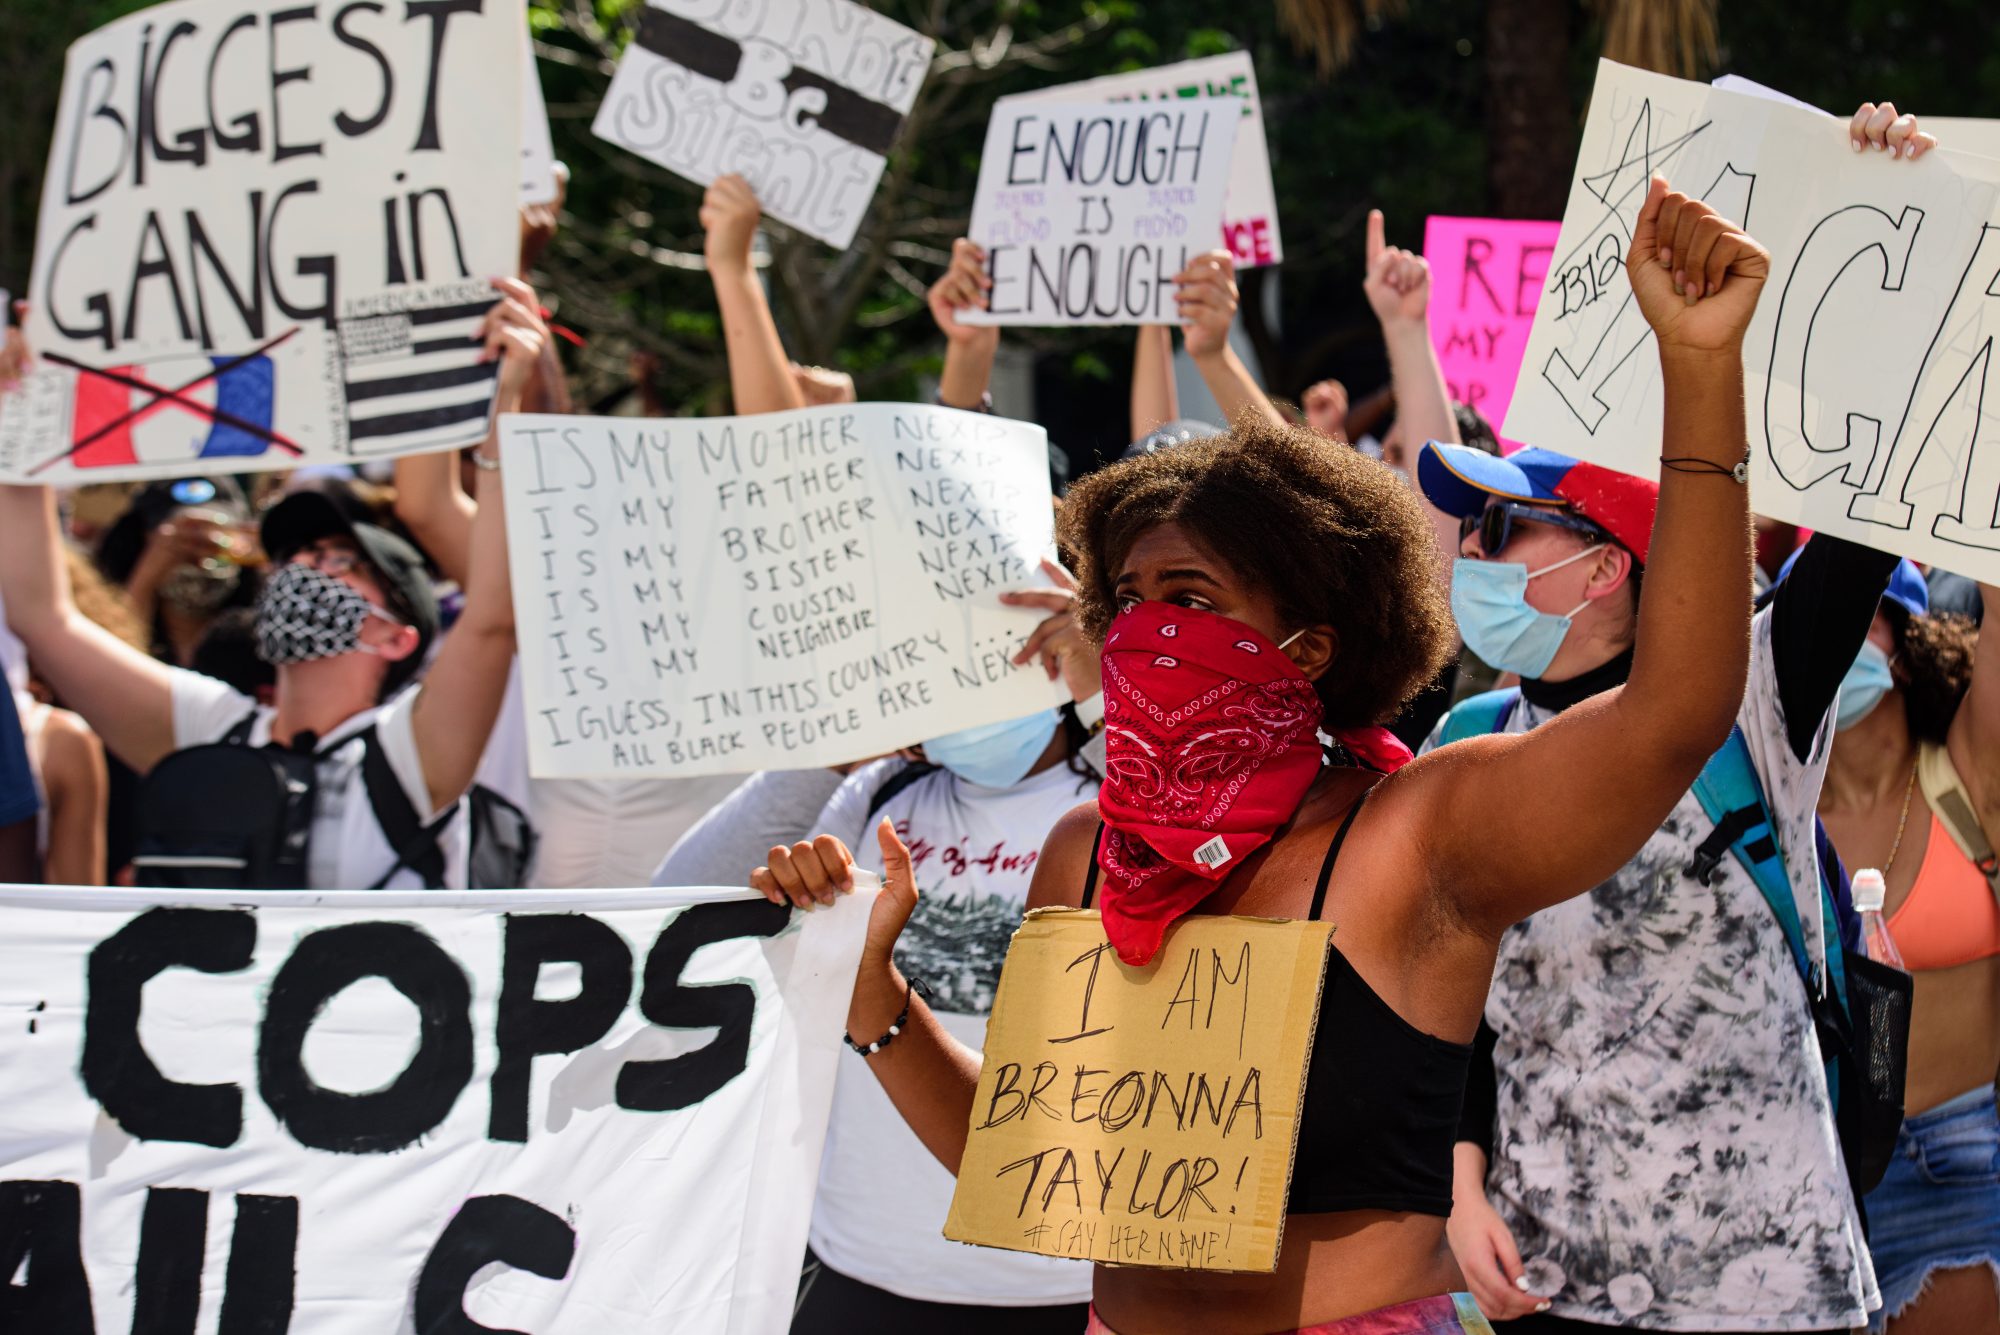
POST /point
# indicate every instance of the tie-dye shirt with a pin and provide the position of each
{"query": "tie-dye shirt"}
(1665, 1151)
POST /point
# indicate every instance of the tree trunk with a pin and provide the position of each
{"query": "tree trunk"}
(1532, 126)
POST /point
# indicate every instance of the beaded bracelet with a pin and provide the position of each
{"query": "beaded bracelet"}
(910, 985)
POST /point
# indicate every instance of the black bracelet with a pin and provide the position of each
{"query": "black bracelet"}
(911, 985)
(1691, 464)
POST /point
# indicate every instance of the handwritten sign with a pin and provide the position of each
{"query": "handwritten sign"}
(709, 596)
(265, 239)
(803, 98)
(1088, 210)
(1486, 282)
(538, 150)
(323, 1114)
(1143, 1116)
(1250, 207)
(1871, 410)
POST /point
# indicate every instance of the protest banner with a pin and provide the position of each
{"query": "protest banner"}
(1866, 364)
(265, 240)
(1088, 210)
(1486, 283)
(1143, 1116)
(1250, 207)
(802, 98)
(713, 595)
(365, 1111)
(538, 150)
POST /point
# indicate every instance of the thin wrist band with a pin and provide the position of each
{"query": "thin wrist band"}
(481, 460)
(910, 985)
(1691, 464)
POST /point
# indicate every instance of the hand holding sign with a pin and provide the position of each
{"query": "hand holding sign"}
(820, 870)
(1398, 282)
(1058, 641)
(1881, 128)
(1684, 251)
(1206, 297)
(513, 332)
(963, 287)
(729, 214)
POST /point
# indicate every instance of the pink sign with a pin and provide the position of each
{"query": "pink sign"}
(1487, 276)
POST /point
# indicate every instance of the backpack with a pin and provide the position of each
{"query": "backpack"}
(231, 816)
(1860, 1007)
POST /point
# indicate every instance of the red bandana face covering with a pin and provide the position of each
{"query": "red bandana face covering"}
(1211, 740)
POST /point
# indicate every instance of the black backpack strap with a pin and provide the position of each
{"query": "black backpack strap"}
(415, 844)
(896, 783)
(239, 732)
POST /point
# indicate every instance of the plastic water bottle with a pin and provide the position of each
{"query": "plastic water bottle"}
(1870, 891)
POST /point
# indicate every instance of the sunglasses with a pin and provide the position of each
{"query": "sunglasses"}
(1495, 524)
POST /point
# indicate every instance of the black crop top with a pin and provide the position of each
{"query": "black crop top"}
(1382, 1096)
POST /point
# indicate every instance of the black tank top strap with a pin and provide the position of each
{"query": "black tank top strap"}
(1090, 878)
(1333, 854)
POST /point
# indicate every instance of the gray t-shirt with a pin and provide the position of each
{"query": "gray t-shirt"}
(736, 836)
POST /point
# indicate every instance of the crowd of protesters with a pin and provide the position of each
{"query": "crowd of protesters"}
(1571, 1067)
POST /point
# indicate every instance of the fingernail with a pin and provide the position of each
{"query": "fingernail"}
(1542, 1306)
(1522, 1283)
(1857, 144)
(1666, 255)
(1909, 150)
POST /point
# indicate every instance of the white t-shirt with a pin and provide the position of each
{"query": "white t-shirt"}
(349, 850)
(879, 1215)
(1665, 1152)
(592, 834)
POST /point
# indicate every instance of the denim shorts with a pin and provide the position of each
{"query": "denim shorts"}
(1938, 1206)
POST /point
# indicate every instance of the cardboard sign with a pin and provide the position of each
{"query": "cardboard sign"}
(1866, 365)
(266, 238)
(1250, 208)
(1088, 210)
(1486, 283)
(803, 98)
(329, 1113)
(714, 595)
(538, 150)
(1143, 1116)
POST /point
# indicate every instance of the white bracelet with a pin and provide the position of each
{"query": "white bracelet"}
(481, 460)
(1090, 712)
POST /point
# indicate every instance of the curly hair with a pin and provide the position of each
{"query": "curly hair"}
(1934, 670)
(1333, 536)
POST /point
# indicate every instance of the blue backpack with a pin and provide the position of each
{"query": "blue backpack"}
(1860, 1008)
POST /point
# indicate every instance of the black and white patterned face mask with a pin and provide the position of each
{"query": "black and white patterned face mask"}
(306, 615)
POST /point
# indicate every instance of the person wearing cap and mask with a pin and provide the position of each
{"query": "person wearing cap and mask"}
(1920, 703)
(346, 617)
(1630, 1032)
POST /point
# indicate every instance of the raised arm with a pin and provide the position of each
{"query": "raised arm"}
(433, 505)
(1587, 789)
(969, 349)
(1207, 297)
(1398, 286)
(760, 375)
(122, 693)
(460, 696)
(1155, 401)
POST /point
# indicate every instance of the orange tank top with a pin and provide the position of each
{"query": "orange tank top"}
(1950, 917)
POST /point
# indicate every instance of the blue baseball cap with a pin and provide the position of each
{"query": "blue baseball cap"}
(1460, 480)
(1907, 588)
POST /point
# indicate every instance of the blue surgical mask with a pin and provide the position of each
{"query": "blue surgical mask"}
(1868, 679)
(998, 755)
(1490, 600)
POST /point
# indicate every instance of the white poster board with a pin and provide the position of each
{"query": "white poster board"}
(331, 1113)
(282, 259)
(803, 98)
(1087, 210)
(785, 591)
(538, 149)
(1866, 365)
(1250, 209)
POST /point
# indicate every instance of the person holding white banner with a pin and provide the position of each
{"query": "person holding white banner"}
(345, 617)
(1301, 577)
